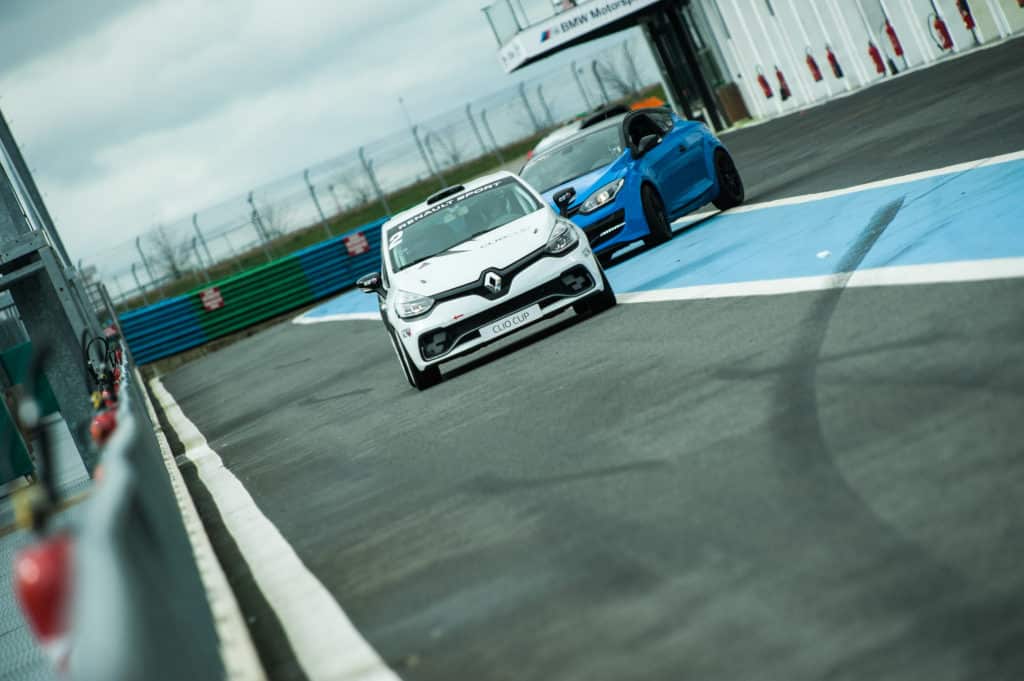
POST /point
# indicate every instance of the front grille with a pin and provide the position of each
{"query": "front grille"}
(595, 231)
(506, 274)
(440, 341)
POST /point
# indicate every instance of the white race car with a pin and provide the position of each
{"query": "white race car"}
(476, 262)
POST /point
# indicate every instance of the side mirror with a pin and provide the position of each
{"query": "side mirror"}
(647, 143)
(370, 283)
(563, 199)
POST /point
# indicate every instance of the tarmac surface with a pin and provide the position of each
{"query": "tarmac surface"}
(802, 486)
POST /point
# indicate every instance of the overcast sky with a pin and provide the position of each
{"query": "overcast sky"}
(132, 113)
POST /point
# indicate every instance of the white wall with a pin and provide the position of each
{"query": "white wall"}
(754, 40)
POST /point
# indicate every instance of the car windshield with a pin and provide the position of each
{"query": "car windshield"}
(453, 221)
(573, 159)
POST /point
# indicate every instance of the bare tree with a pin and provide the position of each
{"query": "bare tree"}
(276, 219)
(618, 82)
(356, 186)
(450, 148)
(172, 256)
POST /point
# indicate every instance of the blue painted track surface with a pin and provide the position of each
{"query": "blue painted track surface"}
(970, 215)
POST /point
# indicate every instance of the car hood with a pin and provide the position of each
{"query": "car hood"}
(463, 264)
(585, 184)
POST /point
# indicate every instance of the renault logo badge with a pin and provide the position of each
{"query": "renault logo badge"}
(492, 282)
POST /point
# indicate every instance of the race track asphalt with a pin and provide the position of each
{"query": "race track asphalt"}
(803, 486)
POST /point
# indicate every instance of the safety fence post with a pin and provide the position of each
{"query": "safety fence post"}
(368, 168)
(490, 133)
(579, 84)
(316, 202)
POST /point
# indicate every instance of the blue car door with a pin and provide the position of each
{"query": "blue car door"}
(660, 164)
(685, 141)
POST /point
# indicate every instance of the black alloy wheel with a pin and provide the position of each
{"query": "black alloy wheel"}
(730, 184)
(657, 219)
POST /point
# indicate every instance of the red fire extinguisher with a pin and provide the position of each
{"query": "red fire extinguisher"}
(766, 87)
(783, 86)
(876, 56)
(833, 61)
(944, 40)
(812, 64)
(42, 585)
(965, 14)
(897, 47)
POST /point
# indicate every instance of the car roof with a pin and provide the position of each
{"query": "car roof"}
(607, 123)
(466, 186)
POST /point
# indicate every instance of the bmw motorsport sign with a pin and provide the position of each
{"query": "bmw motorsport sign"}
(565, 27)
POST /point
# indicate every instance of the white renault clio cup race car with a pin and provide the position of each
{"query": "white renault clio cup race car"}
(474, 263)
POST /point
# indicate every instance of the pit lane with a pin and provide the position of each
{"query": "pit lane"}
(826, 483)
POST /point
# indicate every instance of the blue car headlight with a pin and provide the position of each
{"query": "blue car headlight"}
(603, 196)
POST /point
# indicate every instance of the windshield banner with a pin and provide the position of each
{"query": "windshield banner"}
(447, 203)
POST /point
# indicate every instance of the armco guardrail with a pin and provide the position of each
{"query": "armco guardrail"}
(223, 307)
(140, 610)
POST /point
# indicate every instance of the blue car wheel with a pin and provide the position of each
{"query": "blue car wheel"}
(730, 184)
(654, 212)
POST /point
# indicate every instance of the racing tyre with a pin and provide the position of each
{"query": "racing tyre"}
(597, 302)
(730, 184)
(657, 219)
(421, 380)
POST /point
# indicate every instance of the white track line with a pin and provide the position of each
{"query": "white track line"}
(238, 654)
(326, 644)
(853, 189)
(340, 317)
(902, 275)
(901, 179)
(770, 287)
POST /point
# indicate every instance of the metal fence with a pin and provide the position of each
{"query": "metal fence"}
(366, 179)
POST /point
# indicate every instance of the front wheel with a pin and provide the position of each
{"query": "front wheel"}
(657, 220)
(421, 380)
(730, 184)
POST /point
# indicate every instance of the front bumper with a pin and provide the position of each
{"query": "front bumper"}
(453, 327)
(612, 227)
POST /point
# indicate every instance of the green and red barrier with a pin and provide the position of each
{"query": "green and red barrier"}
(261, 293)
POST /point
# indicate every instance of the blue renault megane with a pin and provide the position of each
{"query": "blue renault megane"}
(628, 177)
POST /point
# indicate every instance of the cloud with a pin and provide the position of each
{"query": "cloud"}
(161, 108)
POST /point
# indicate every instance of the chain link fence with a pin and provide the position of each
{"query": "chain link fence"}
(378, 179)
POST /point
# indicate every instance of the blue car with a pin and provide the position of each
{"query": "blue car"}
(629, 177)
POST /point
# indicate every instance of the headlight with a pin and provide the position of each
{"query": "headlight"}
(602, 196)
(409, 305)
(563, 238)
